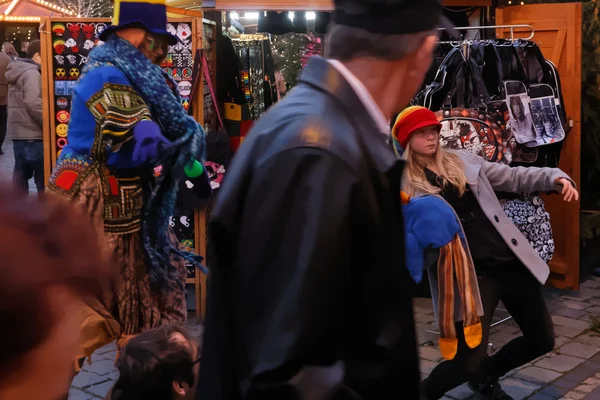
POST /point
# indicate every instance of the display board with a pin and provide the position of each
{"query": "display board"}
(71, 45)
(178, 64)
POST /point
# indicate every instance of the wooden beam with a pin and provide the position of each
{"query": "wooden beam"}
(309, 5)
(184, 12)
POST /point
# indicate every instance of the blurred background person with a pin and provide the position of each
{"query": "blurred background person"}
(25, 119)
(4, 61)
(9, 50)
(159, 364)
(44, 278)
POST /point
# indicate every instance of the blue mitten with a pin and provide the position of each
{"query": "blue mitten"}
(429, 223)
(148, 143)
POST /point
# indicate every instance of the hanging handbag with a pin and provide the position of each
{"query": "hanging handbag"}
(515, 153)
(218, 151)
(472, 130)
(529, 214)
(545, 115)
(517, 101)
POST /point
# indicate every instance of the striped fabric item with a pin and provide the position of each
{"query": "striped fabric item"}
(454, 263)
(431, 223)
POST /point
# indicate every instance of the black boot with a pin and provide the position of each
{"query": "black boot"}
(489, 389)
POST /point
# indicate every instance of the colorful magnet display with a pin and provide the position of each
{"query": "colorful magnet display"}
(62, 103)
(71, 45)
(61, 142)
(185, 88)
(62, 130)
(63, 117)
(178, 64)
(58, 29)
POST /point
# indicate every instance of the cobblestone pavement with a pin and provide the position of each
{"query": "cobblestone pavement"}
(7, 164)
(571, 371)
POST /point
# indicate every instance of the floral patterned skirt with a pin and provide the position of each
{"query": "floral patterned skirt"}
(129, 306)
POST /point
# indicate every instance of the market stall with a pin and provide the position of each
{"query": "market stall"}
(555, 30)
(20, 20)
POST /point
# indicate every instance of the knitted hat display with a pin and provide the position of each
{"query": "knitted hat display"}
(410, 120)
(430, 223)
(149, 14)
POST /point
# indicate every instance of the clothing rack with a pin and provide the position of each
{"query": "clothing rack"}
(502, 27)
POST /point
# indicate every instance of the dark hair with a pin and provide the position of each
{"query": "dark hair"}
(516, 101)
(345, 43)
(45, 243)
(34, 47)
(152, 361)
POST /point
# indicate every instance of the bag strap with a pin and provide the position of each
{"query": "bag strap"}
(211, 88)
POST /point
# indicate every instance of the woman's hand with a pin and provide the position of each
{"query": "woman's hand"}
(568, 191)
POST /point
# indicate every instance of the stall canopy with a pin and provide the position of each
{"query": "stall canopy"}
(310, 5)
(292, 5)
(30, 10)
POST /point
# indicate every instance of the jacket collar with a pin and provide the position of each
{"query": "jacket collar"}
(320, 74)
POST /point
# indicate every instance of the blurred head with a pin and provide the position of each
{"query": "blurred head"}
(9, 49)
(34, 51)
(155, 47)
(160, 364)
(395, 38)
(50, 259)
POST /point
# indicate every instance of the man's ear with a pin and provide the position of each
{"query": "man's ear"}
(180, 389)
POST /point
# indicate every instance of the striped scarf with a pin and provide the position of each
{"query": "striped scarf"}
(454, 262)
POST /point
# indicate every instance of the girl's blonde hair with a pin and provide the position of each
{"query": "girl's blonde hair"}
(449, 165)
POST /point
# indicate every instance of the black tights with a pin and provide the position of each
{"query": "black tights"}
(522, 296)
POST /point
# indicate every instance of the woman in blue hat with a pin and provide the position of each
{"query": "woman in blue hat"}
(127, 118)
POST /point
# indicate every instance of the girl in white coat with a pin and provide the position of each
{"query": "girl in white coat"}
(508, 269)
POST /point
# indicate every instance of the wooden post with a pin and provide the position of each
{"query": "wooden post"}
(47, 96)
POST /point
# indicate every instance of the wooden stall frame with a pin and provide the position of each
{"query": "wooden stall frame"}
(309, 5)
(49, 130)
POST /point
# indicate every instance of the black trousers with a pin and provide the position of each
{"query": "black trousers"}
(522, 296)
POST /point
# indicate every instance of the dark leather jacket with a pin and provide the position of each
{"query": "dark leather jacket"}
(309, 297)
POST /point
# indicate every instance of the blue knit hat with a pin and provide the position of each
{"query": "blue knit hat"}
(149, 14)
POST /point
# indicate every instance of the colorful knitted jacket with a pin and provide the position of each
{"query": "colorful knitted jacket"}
(119, 88)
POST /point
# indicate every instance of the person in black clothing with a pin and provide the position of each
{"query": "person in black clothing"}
(507, 267)
(309, 296)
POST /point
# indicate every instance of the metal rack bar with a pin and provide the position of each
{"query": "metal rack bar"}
(511, 27)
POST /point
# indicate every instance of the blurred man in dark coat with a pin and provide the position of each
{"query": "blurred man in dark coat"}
(309, 296)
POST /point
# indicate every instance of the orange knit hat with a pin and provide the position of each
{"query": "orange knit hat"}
(410, 120)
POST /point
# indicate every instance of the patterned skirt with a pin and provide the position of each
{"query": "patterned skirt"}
(129, 306)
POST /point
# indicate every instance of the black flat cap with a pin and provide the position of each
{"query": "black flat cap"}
(393, 17)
